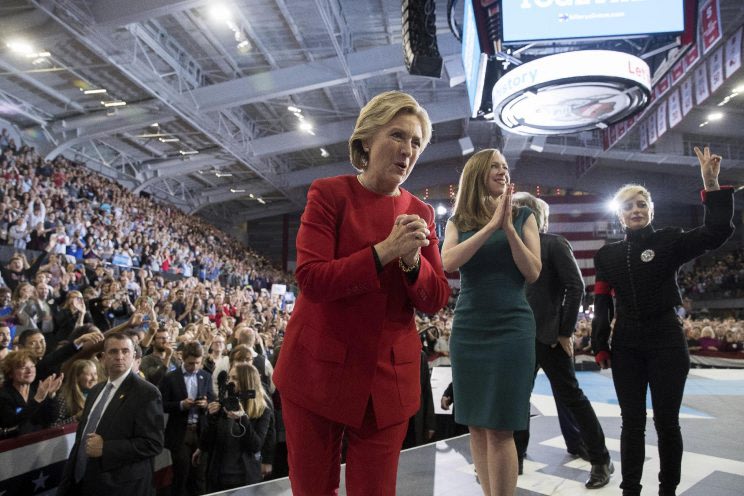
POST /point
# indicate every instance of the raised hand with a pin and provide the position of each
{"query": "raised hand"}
(710, 167)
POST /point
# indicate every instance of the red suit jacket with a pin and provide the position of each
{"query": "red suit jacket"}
(352, 333)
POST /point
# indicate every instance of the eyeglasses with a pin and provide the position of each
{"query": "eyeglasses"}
(26, 367)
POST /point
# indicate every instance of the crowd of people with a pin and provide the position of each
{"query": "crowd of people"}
(720, 275)
(115, 310)
(88, 260)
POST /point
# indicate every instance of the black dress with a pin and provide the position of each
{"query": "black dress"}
(648, 347)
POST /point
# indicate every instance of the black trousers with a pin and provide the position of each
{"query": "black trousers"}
(187, 479)
(664, 371)
(559, 369)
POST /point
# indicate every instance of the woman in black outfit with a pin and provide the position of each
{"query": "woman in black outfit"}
(648, 343)
(236, 431)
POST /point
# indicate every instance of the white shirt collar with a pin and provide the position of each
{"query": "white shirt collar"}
(117, 382)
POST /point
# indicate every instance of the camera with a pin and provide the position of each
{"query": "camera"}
(228, 397)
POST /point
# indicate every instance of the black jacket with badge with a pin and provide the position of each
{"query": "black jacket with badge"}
(642, 272)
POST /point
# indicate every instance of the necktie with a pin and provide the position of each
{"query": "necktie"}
(93, 419)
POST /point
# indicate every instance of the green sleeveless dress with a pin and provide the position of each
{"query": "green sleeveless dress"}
(492, 347)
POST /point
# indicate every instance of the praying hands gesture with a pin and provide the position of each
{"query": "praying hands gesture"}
(502, 218)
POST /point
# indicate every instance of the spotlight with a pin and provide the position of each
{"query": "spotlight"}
(21, 47)
(441, 210)
(612, 206)
(715, 116)
(220, 13)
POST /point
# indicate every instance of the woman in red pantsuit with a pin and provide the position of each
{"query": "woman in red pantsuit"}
(367, 256)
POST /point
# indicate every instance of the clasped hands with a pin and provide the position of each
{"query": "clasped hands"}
(502, 218)
(408, 235)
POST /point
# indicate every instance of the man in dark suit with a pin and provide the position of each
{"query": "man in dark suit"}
(120, 431)
(186, 392)
(555, 299)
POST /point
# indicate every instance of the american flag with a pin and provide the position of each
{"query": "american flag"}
(586, 223)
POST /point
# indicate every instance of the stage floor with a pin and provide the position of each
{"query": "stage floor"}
(712, 426)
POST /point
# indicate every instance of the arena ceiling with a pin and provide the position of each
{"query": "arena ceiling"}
(207, 123)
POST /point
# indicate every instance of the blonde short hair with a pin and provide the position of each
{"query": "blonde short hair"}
(627, 192)
(382, 109)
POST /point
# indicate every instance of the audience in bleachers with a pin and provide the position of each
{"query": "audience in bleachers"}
(715, 276)
(111, 260)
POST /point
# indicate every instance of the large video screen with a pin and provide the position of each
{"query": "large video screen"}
(473, 60)
(539, 20)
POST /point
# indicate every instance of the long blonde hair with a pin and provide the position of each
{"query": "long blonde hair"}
(248, 378)
(72, 395)
(474, 205)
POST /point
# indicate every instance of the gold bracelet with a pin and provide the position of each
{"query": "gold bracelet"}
(409, 268)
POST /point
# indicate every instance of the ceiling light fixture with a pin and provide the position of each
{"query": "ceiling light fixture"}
(307, 127)
(21, 47)
(115, 103)
(220, 13)
(261, 201)
(715, 116)
(96, 91)
(252, 195)
(233, 190)
(294, 109)
(223, 174)
(188, 152)
(324, 153)
(169, 140)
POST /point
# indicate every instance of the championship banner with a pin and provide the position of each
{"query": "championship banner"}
(662, 86)
(710, 24)
(733, 54)
(715, 68)
(686, 96)
(702, 91)
(661, 119)
(652, 136)
(675, 111)
(678, 70)
(691, 57)
(643, 135)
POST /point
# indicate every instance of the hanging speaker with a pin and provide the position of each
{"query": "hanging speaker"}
(420, 49)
